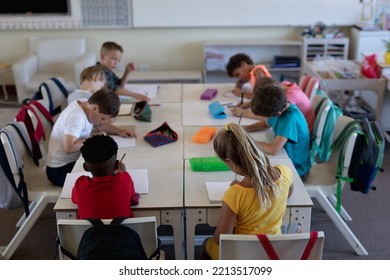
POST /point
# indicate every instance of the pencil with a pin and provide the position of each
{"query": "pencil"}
(122, 158)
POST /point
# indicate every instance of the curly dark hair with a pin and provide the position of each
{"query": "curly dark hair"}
(268, 100)
(235, 62)
(98, 148)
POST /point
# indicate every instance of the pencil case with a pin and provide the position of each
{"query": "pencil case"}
(217, 110)
(208, 94)
(208, 164)
(142, 111)
(161, 135)
(204, 135)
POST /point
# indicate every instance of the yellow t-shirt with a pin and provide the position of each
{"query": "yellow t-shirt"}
(251, 219)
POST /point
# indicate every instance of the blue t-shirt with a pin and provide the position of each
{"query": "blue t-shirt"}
(293, 126)
(113, 81)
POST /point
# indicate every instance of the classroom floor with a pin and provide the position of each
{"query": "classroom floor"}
(369, 212)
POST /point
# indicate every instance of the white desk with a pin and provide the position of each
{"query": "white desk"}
(166, 112)
(169, 193)
(164, 200)
(192, 149)
(199, 210)
(169, 92)
(198, 114)
(192, 92)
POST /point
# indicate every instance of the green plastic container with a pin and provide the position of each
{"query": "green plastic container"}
(208, 164)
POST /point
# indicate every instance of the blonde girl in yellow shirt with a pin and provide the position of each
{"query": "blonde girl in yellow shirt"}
(257, 203)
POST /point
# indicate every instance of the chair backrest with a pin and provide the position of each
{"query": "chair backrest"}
(57, 55)
(326, 113)
(349, 145)
(287, 246)
(309, 85)
(70, 232)
(19, 145)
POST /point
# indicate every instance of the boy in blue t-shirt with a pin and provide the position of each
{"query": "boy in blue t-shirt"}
(288, 123)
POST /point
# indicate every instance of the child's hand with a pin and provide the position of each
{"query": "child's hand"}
(140, 97)
(121, 167)
(127, 133)
(245, 105)
(237, 91)
(237, 111)
(130, 67)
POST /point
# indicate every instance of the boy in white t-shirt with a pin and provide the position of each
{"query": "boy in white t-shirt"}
(74, 125)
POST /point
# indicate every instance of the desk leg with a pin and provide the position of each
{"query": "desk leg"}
(174, 219)
(194, 216)
(301, 215)
(171, 217)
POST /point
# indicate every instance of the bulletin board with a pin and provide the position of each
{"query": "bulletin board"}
(236, 13)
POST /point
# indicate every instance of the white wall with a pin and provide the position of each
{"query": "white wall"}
(161, 49)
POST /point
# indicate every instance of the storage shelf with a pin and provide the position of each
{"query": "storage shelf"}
(216, 54)
(313, 47)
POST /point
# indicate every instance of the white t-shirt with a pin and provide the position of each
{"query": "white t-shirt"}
(78, 94)
(72, 121)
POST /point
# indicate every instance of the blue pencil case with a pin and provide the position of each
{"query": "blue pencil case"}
(217, 110)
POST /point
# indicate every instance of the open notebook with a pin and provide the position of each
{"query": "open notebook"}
(216, 190)
(148, 90)
(139, 176)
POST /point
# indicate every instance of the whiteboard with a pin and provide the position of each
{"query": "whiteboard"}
(231, 13)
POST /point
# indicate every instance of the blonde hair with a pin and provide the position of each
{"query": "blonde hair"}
(92, 72)
(235, 144)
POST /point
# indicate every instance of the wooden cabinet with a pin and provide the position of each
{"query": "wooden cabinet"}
(314, 47)
(216, 55)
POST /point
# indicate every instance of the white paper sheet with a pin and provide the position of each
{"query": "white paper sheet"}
(124, 142)
(139, 176)
(148, 90)
(216, 190)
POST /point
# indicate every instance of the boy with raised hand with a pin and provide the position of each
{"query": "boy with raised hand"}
(74, 125)
(110, 55)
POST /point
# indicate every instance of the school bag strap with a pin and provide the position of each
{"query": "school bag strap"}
(43, 110)
(272, 255)
(54, 111)
(21, 188)
(35, 135)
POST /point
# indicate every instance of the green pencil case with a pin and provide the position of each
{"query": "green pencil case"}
(208, 164)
